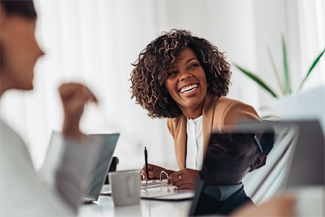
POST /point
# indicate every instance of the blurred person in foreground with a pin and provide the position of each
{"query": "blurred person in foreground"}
(230, 156)
(280, 206)
(185, 79)
(23, 193)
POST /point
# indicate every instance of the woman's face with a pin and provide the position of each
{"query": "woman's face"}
(186, 82)
(19, 51)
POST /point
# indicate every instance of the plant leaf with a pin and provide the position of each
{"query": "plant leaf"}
(270, 116)
(311, 68)
(276, 71)
(286, 71)
(257, 80)
(264, 108)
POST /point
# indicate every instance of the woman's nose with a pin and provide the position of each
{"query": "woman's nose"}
(40, 51)
(184, 75)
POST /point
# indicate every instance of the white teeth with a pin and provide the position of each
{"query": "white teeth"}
(189, 88)
(221, 147)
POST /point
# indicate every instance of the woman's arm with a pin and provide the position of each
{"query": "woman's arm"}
(67, 156)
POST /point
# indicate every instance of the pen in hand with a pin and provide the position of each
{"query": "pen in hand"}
(146, 161)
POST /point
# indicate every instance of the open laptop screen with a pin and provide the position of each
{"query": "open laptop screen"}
(99, 172)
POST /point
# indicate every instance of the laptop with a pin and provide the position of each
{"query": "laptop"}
(98, 171)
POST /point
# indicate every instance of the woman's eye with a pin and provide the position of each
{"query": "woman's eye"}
(172, 73)
(193, 65)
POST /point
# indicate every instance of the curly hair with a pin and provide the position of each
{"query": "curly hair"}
(159, 56)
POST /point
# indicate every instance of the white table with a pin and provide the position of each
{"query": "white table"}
(147, 208)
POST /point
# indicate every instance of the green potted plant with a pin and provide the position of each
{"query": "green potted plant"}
(286, 87)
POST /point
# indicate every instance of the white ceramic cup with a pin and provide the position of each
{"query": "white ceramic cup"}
(125, 187)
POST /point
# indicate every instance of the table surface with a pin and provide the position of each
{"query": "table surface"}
(147, 208)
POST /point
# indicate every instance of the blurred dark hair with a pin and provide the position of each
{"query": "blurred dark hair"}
(24, 8)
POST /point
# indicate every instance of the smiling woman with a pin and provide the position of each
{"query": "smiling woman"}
(185, 78)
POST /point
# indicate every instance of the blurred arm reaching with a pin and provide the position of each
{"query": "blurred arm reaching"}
(58, 191)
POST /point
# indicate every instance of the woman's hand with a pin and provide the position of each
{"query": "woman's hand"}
(283, 205)
(154, 172)
(74, 97)
(184, 179)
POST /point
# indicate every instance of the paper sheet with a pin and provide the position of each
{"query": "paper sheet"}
(162, 190)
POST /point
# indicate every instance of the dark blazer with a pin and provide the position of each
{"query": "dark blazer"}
(208, 205)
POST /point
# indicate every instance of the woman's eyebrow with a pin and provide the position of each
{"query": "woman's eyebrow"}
(190, 60)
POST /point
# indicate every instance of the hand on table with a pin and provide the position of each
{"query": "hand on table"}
(74, 97)
(184, 179)
(154, 172)
(283, 205)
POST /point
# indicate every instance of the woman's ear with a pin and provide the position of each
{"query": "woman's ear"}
(259, 161)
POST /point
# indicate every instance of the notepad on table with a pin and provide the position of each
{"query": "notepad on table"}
(158, 190)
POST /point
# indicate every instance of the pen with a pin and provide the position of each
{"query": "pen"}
(146, 161)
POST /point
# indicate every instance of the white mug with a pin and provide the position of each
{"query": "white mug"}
(125, 187)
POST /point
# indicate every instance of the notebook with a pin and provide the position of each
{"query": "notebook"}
(157, 190)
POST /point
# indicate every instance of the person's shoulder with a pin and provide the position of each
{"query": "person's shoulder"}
(232, 105)
(232, 110)
(9, 136)
(229, 102)
(241, 196)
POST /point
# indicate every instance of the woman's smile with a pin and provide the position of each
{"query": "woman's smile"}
(189, 90)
